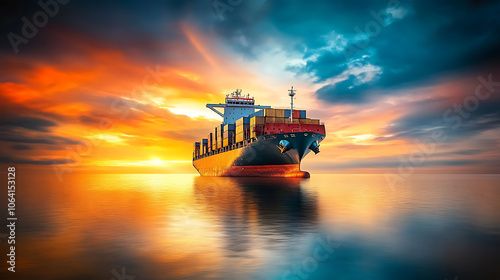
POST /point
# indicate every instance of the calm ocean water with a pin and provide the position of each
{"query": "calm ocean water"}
(190, 227)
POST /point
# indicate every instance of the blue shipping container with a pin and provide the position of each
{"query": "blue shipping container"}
(259, 113)
(228, 127)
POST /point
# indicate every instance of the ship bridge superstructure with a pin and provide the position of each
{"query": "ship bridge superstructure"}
(237, 105)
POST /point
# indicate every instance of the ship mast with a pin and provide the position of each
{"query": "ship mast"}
(292, 93)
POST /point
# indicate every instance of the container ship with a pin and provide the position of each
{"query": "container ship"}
(257, 141)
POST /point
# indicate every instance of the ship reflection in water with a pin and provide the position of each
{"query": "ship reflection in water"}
(191, 227)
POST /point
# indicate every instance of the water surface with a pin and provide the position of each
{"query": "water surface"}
(191, 227)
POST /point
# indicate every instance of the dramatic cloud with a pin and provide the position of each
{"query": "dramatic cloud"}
(399, 43)
(107, 84)
(39, 124)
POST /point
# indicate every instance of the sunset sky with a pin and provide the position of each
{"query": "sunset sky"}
(121, 86)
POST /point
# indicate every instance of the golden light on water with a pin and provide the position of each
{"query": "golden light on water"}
(187, 226)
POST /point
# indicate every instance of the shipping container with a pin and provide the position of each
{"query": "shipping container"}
(243, 120)
(304, 121)
(215, 135)
(302, 114)
(257, 120)
(196, 149)
(279, 113)
(241, 128)
(220, 130)
(242, 133)
(269, 112)
(228, 142)
(210, 140)
(256, 130)
(287, 113)
(228, 134)
(279, 120)
(239, 137)
(313, 121)
(204, 143)
(229, 127)
(246, 133)
(296, 114)
(259, 113)
(270, 119)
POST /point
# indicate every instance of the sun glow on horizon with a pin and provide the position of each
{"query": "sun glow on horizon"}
(361, 138)
(152, 162)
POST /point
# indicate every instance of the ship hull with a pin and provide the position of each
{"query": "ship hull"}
(262, 158)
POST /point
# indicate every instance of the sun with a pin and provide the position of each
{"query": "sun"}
(156, 161)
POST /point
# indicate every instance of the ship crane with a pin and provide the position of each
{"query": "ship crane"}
(291, 93)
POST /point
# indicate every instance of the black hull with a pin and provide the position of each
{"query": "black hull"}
(262, 157)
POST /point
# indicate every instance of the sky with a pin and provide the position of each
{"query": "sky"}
(120, 86)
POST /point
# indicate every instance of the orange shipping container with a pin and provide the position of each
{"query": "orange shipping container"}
(280, 120)
(270, 119)
(239, 137)
(269, 112)
(257, 120)
(279, 113)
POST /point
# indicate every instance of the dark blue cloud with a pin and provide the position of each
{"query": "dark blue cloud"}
(21, 160)
(422, 117)
(21, 147)
(342, 92)
(141, 29)
(32, 123)
(412, 42)
(417, 44)
(45, 138)
(433, 39)
(29, 130)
